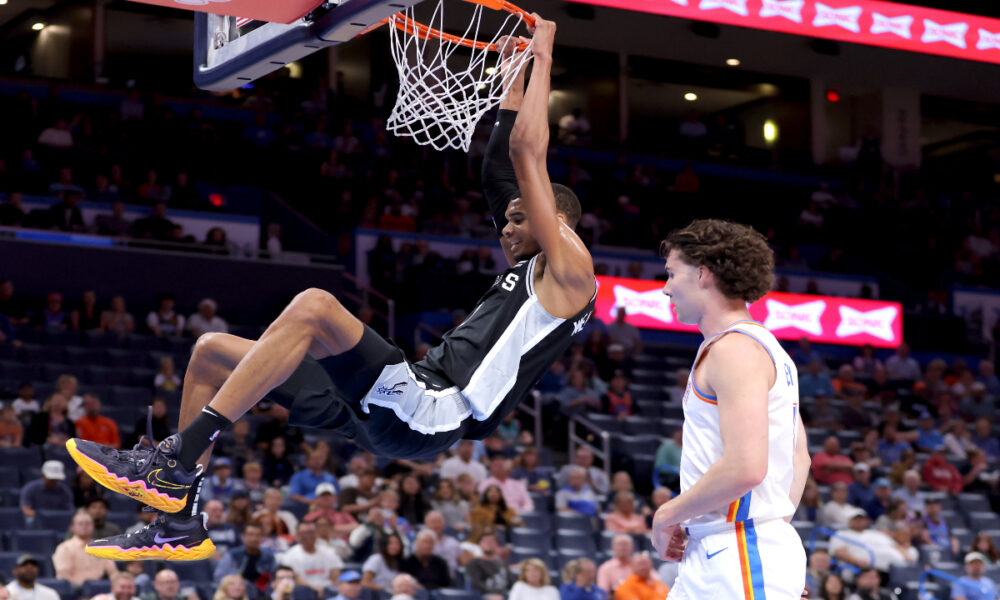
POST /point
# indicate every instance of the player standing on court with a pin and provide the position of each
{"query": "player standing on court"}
(332, 372)
(745, 458)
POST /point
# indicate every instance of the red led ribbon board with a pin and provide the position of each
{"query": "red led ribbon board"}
(285, 11)
(871, 22)
(824, 319)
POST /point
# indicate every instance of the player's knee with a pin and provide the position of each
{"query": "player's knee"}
(206, 352)
(313, 306)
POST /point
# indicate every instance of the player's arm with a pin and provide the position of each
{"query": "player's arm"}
(800, 465)
(741, 387)
(499, 179)
(567, 259)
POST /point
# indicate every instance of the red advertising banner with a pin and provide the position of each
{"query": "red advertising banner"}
(824, 319)
(285, 11)
(871, 22)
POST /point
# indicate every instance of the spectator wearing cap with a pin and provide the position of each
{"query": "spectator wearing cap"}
(978, 403)
(71, 560)
(221, 485)
(835, 513)
(985, 440)
(427, 568)
(881, 498)
(830, 466)
(910, 492)
(325, 506)
(975, 585)
(250, 560)
(860, 492)
(25, 585)
(941, 475)
(94, 427)
(50, 492)
(348, 586)
(206, 320)
(934, 529)
(929, 435)
(165, 321)
(515, 491)
(314, 566)
(303, 484)
(886, 549)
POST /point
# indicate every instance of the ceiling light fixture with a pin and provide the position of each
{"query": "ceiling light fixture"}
(38, 26)
(690, 96)
(733, 62)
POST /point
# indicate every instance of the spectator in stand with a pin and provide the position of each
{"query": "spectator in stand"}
(66, 214)
(57, 136)
(11, 305)
(25, 405)
(625, 334)
(580, 581)
(595, 478)
(958, 440)
(68, 387)
(454, 508)
(445, 546)
(978, 404)
(165, 321)
(71, 560)
(86, 317)
(117, 319)
(429, 569)
(669, 452)
(232, 587)
(53, 317)
(250, 560)
(578, 397)
(221, 485)
(837, 511)
(821, 415)
(404, 587)
(515, 492)
(166, 379)
(160, 422)
(933, 529)
(12, 213)
(25, 584)
(897, 512)
(975, 585)
(976, 477)
(617, 568)
(624, 519)
(314, 566)
(167, 586)
(988, 377)
(985, 440)
(122, 588)
(856, 417)
(414, 504)
(527, 470)
(870, 540)
(94, 427)
(324, 506)
(881, 498)
(867, 587)
(577, 496)
(222, 533)
(206, 320)
(866, 363)
(156, 226)
(533, 583)
(487, 573)
(809, 504)
(804, 354)
(574, 128)
(860, 493)
(815, 381)
(462, 462)
(349, 586)
(830, 466)
(891, 447)
(114, 224)
(984, 544)
(817, 570)
(278, 427)
(901, 365)
(51, 427)
(493, 513)
(97, 507)
(272, 508)
(617, 400)
(643, 582)
(930, 438)
(11, 430)
(910, 493)
(382, 566)
(302, 487)
(941, 475)
(844, 383)
(360, 499)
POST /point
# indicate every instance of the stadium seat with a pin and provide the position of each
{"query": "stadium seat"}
(100, 339)
(22, 457)
(296, 508)
(571, 539)
(642, 425)
(11, 518)
(609, 423)
(195, 571)
(39, 354)
(61, 586)
(8, 352)
(979, 520)
(87, 357)
(60, 339)
(131, 396)
(970, 503)
(19, 371)
(451, 594)
(106, 376)
(93, 587)
(8, 559)
(123, 519)
(537, 520)
(58, 520)
(118, 357)
(121, 503)
(53, 371)
(42, 542)
(302, 592)
(564, 556)
(8, 474)
(141, 377)
(10, 496)
(574, 521)
(518, 554)
(899, 576)
(531, 538)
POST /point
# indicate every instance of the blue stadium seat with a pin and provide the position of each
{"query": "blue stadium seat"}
(564, 556)
(22, 457)
(970, 503)
(979, 520)
(53, 371)
(180, 345)
(450, 594)
(61, 586)
(122, 519)
(195, 571)
(60, 339)
(59, 520)
(609, 423)
(93, 587)
(11, 518)
(19, 371)
(8, 352)
(119, 357)
(42, 543)
(137, 341)
(141, 377)
(39, 354)
(8, 475)
(131, 396)
(75, 355)
(302, 592)
(643, 425)
(518, 554)
(29, 474)
(572, 539)
(296, 508)
(899, 576)
(101, 339)
(123, 415)
(574, 521)
(537, 520)
(10, 496)
(121, 503)
(8, 559)
(531, 538)
(106, 376)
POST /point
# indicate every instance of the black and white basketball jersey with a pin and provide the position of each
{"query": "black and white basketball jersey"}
(501, 349)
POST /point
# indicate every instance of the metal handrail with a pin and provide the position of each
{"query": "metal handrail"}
(366, 289)
(604, 453)
(534, 410)
(831, 533)
(923, 594)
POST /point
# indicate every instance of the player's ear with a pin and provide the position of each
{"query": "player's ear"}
(562, 217)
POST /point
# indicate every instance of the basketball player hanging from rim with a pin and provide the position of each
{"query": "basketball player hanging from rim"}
(745, 459)
(332, 372)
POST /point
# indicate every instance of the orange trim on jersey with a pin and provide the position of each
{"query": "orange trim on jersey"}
(704, 398)
(741, 544)
(748, 323)
(731, 516)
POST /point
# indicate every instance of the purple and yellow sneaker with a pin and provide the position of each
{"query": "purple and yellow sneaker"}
(166, 538)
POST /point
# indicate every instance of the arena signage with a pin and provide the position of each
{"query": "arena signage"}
(871, 22)
(824, 319)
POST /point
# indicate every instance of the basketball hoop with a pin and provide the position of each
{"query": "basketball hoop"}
(439, 104)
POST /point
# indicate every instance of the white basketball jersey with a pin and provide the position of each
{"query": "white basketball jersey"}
(702, 442)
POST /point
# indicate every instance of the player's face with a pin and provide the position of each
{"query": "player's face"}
(684, 287)
(517, 232)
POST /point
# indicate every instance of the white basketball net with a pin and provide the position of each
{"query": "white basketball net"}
(439, 104)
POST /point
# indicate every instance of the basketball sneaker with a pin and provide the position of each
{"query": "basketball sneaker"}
(150, 474)
(166, 538)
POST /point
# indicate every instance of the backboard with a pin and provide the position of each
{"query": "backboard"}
(230, 52)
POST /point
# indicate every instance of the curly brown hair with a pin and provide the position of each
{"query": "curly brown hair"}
(738, 256)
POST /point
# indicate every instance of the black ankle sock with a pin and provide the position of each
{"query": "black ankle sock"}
(199, 435)
(193, 506)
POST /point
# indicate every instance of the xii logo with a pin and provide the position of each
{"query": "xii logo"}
(578, 325)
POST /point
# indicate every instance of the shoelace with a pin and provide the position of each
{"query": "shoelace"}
(147, 439)
(161, 517)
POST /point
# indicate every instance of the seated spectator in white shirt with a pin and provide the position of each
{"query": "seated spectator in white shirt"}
(57, 136)
(314, 566)
(463, 462)
(164, 321)
(577, 496)
(901, 365)
(534, 583)
(206, 320)
(835, 513)
(25, 585)
(872, 543)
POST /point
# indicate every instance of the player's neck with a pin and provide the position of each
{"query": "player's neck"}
(716, 321)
